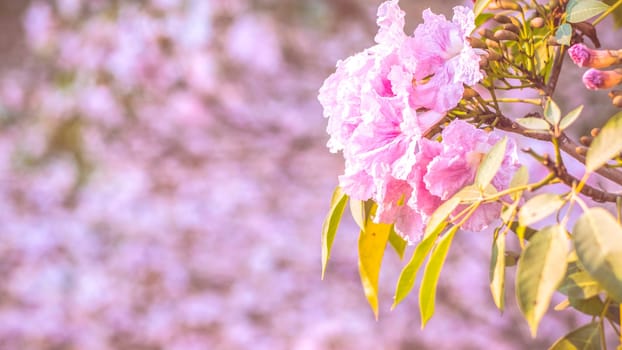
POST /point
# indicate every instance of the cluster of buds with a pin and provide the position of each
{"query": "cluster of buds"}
(594, 78)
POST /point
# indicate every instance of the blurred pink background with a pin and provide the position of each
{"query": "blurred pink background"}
(164, 177)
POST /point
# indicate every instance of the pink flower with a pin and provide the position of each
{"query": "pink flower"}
(379, 106)
(595, 79)
(583, 56)
(463, 148)
(441, 49)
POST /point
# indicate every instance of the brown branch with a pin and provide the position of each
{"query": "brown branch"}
(565, 143)
(562, 174)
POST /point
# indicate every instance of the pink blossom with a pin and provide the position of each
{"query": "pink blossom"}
(441, 49)
(463, 148)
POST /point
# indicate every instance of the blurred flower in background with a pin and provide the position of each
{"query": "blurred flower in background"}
(163, 178)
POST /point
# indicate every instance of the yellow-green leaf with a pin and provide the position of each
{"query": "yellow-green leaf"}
(582, 10)
(359, 214)
(440, 215)
(570, 117)
(583, 338)
(331, 224)
(491, 163)
(480, 6)
(598, 242)
(533, 123)
(427, 292)
(539, 207)
(520, 178)
(397, 242)
(541, 269)
(372, 242)
(552, 113)
(497, 271)
(406, 281)
(606, 145)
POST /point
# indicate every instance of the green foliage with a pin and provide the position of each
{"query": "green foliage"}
(564, 34)
(598, 242)
(582, 10)
(408, 275)
(398, 243)
(606, 145)
(491, 163)
(331, 224)
(540, 272)
(427, 292)
(552, 113)
(570, 118)
(539, 207)
(497, 271)
(533, 123)
(583, 338)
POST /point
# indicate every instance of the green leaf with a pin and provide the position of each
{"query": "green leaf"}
(331, 224)
(592, 306)
(408, 275)
(482, 18)
(552, 112)
(491, 163)
(497, 271)
(583, 338)
(427, 292)
(359, 212)
(582, 10)
(570, 118)
(564, 34)
(539, 207)
(372, 243)
(472, 194)
(480, 6)
(520, 178)
(440, 215)
(533, 123)
(598, 242)
(541, 269)
(579, 284)
(606, 145)
(397, 242)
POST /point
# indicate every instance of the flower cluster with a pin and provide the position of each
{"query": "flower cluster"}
(382, 103)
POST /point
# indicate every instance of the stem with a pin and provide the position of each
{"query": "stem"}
(532, 101)
(608, 12)
(566, 144)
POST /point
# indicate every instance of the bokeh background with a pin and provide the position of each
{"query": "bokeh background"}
(164, 178)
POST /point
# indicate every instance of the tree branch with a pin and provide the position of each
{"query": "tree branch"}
(565, 143)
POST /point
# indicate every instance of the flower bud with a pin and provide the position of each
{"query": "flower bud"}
(583, 56)
(477, 43)
(505, 35)
(616, 98)
(493, 56)
(469, 93)
(595, 79)
(486, 33)
(492, 44)
(537, 22)
(594, 132)
(502, 19)
(504, 5)
(483, 62)
(581, 150)
(586, 140)
(511, 27)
